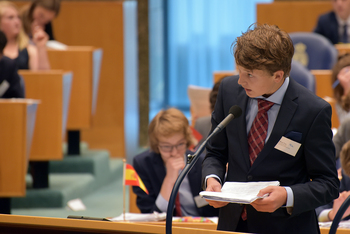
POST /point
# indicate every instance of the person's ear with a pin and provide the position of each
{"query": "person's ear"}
(278, 76)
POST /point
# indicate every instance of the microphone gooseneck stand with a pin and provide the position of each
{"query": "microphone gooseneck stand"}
(191, 160)
(234, 112)
(339, 216)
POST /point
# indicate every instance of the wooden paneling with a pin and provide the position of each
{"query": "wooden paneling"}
(324, 90)
(15, 139)
(323, 83)
(77, 59)
(100, 24)
(297, 16)
(48, 87)
(218, 75)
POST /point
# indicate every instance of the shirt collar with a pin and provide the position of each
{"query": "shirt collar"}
(343, 22)
(278, 96)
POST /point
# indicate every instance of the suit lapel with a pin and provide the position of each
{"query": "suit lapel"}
(285, 115)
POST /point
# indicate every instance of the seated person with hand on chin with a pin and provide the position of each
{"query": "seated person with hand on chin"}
(39, 15)
(327, 212)
(169, 137)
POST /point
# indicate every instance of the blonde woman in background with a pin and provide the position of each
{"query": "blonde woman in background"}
(28, 54)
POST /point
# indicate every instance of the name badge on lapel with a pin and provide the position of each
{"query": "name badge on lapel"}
(288, 146)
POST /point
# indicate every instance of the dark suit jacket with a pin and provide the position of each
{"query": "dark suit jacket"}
(8, 72)
(344, 186)
(150, 167)
(327, 25)
(303, 117)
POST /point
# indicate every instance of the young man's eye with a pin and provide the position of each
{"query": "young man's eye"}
(250, 75)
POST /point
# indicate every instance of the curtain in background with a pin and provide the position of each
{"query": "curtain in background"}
(199, 35)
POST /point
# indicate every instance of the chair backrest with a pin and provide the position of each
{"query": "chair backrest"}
(313, 50)
(199, 101)
(303, 76)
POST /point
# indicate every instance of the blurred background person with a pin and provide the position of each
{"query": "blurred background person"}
(327, 212)
(39, 14)
(10, 82)
(335, 24)
(169, 139)
(341, 86)
(28, 55)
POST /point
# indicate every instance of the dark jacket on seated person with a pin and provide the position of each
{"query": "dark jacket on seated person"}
(344, 186)
(327, 26)
(150, 167)
(10, 81)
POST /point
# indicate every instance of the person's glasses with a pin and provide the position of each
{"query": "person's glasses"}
(169, 148)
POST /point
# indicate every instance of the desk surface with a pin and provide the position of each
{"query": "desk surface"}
(18, 223)
(31, 224)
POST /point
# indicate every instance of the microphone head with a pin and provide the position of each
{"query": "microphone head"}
(236, 111)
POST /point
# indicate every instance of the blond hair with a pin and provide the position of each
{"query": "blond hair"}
(22, 39)
(167, 123)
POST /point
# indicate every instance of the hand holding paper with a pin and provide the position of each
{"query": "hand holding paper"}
(214, 186)
(239, 192)
(277, 197)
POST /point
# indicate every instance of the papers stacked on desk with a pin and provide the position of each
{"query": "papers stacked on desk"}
(342, 224)
(239, 192)
(135, 217)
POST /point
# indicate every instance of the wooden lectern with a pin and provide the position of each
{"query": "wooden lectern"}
(324, 90)
(85, 63)
(17, 124)
(53, 89)
(17, 119)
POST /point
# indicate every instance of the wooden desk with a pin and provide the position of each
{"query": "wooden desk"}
(324, 90)
(343, 48)
(339, 231)
(30, 224)
(218, 75)
(53, 89)
(212, 226)
(17, 119)
(85, 63)
(292, 16)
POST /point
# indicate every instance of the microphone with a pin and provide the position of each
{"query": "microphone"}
(234, 112)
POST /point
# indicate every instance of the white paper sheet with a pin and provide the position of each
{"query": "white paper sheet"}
(155, 216)
(239, 192)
